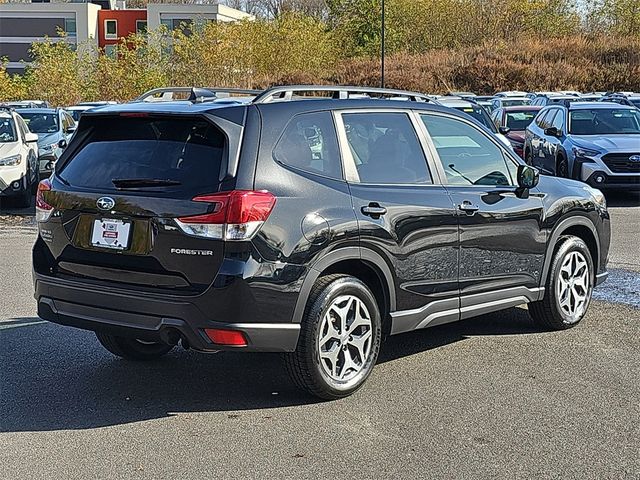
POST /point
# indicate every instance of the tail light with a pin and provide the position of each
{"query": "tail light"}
(43, 209)
(236, 215)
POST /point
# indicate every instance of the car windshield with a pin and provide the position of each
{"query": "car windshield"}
(515, 102)
(41, 122)
(604, 121)
(635, 102)
(480, 114)
(7, 130)
(519, 120)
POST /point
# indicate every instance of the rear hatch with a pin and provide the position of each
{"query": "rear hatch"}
(119, 192)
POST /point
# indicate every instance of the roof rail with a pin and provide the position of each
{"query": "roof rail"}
(286, 93)
(195, 94)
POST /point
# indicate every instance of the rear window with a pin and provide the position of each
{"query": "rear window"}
(177, 156)
(519, 120)
(480, 115)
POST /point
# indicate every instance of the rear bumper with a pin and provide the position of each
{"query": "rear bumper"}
(73, 304)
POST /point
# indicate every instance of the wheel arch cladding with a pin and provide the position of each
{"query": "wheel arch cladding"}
(580, 227)
(365, 265)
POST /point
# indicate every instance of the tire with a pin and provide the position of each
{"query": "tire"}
(563, 306)
(326, 363)
(131, 348)
(562, 167)
(23, 200)
(528, 157)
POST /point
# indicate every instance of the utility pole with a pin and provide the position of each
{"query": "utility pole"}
(382, 48)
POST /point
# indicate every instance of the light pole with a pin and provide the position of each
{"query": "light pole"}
(382, 48)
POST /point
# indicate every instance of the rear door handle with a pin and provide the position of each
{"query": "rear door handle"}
(373, 210)
(468, 207)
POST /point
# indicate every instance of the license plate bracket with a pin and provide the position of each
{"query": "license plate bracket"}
(111, 233)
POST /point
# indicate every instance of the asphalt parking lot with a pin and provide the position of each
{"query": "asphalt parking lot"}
(490, 397)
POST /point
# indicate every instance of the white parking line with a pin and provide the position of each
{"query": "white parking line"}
(622, 286)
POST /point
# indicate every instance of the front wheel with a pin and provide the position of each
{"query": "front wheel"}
(132, 348)
(568, 288)
(562, 167)
(339, 338)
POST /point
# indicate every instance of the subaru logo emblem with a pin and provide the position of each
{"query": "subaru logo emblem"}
(634, 158)
(105, 203)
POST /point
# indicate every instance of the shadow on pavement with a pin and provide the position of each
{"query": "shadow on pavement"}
(623, 199)
(53, 377)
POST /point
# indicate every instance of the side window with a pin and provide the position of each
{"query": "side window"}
(309, 143)
(546, 118)
(468, 156)
(558, 121)
(385, 148)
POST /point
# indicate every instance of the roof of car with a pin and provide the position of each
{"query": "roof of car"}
(38, 110)
(301, 104)
(594, 105)
(520, 108)
(455, 102)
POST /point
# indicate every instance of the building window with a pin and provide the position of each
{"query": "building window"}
(141, 27)
(167, 22)
(111, 29)
(111, 51)
(70, 26)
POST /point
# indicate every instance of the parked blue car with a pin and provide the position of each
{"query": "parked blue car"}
(597, 143)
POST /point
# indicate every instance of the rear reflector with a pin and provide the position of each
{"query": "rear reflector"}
(43, 209)
(226, 337)
(235, 215)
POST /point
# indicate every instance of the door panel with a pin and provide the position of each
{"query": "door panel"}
(401, 214)
(502, 243)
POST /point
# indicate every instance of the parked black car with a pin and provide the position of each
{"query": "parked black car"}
(305, 226)
(596, 142)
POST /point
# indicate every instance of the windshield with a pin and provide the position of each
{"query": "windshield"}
(635, 102)
(41, 122)
(515, 102)
(604, 121)
(520, 120)
(480, 114)
(7, 130)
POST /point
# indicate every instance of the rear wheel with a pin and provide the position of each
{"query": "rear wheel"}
(339, 338)
(132, 348)
(568, 288)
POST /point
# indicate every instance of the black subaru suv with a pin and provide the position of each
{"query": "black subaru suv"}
(308, 220)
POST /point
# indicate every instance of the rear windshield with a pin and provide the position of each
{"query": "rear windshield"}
(515, 102)
(604, 121)
(481, 115)
(520, 120)
(177, 156)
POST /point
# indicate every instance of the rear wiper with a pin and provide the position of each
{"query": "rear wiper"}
(143, 182)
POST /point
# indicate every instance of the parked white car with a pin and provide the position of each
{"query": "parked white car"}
(18, 157)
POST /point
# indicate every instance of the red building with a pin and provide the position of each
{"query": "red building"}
(114, 25)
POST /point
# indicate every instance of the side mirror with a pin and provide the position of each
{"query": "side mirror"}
(528, 176)
(30, 138)
(552, 132)
(504, 130)
(62, 143)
